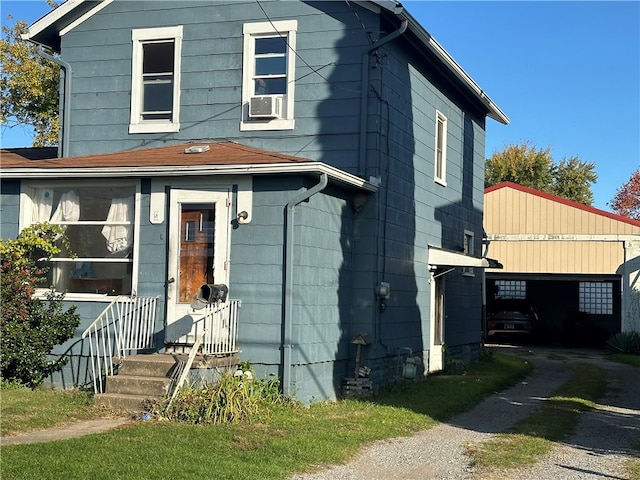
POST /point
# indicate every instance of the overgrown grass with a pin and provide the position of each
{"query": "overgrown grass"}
(23, 409)
(555, 421)
(628, 358)
(285, 441)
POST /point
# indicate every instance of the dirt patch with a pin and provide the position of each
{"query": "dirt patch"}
(71, 430)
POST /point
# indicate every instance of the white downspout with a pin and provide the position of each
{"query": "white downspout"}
(66, 109)
(287, 343)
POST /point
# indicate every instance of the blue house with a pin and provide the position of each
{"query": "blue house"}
(311, 171)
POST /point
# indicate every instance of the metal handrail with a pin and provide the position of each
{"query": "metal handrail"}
(219, 325)
(125, 325)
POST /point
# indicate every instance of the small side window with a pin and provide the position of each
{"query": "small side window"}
(469, 249)
(268, 75)
(440, 174)
(155, 80)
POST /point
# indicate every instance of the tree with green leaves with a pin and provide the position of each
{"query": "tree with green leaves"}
(626, 201)
(533, 167)
(29, 86)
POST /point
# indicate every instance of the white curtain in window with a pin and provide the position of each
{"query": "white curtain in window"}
(119, 236)
(42, 205)
(68, 209)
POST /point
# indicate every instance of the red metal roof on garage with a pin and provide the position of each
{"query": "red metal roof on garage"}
(222, 153)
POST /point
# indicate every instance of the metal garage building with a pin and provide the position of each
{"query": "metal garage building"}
(578, 266)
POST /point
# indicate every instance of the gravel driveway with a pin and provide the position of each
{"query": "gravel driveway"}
(597, 450)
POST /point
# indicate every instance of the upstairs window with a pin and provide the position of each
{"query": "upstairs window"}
(268, 75)
(155, 81)
(440, 174)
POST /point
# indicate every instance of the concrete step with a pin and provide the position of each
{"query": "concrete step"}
(148, 365)
(122, 402)
(137, 385)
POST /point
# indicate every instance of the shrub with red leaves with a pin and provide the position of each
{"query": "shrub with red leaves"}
(31, 325)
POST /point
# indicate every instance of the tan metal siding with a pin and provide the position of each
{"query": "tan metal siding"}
(558, 256)
(509, 211)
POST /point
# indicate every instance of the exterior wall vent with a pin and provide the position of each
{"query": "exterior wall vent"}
(197, 149)
(265, 107)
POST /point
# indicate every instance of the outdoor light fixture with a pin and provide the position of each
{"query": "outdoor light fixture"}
(383, 290)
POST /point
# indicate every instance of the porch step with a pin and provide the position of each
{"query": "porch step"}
(145, 378)
(137, 385)
(121, 402)
(148, 365)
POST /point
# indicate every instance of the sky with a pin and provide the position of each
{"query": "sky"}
(567, 74)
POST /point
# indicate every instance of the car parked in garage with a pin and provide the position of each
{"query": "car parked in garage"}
(511, 317)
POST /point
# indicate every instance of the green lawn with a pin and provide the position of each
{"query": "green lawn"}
(25, 409)
(286, 440)
(628, 358)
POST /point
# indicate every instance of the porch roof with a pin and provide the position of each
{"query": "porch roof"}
(440, 257)
(215, 158)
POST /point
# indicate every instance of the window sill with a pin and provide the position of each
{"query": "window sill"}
(78, 297)
(154, 127)
(280, 124)
(440, 181)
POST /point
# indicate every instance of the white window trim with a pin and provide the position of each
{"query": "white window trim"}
(138, 37)
(26, 208)
(468, 271)
(249, 32)
(442, 180)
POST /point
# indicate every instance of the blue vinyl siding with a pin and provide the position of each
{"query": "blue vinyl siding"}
(339, 255)
(329, 49)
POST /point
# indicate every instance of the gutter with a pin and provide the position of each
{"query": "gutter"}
(364, 94)
(287, 343)
(308, 168)
(493, 111)
(63, 149)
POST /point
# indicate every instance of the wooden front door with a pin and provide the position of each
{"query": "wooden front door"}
(198, 255)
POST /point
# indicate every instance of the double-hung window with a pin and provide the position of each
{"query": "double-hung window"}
(440, 174)
(155, 80)
(268, 75)
(99, 223)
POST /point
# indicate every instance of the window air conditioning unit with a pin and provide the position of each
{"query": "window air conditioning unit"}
(265, 107)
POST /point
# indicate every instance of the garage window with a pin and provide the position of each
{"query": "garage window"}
(511, 289)
(596, 298)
